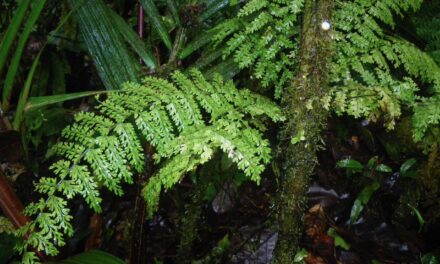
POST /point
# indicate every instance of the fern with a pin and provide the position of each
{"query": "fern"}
(262, 37)
(186, 120)
(367, 60)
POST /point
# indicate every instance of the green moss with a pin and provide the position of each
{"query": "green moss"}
(303, 114)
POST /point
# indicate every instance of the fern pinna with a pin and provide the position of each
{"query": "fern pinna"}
(186, 120)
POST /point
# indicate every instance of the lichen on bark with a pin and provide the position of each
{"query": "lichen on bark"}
(306, 119)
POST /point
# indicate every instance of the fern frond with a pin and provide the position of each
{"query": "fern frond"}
(186, 119)
(262, 38)
(367, 59)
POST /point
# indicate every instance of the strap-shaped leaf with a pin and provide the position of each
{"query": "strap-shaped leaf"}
(156, 20)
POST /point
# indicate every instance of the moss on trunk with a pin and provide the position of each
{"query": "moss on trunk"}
(300, 137)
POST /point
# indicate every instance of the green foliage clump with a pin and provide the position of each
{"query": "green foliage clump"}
(186, 121)
(262, 37)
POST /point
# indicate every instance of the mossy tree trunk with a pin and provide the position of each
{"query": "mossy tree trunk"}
(306, 118)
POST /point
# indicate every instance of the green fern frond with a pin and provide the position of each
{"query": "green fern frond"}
(262, 38)
(186, 119)
(367, 59)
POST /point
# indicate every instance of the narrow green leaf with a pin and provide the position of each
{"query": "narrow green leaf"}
(28, 83)
(15, 62)
(227, 69)
(133, 40)
(12, 32)
(35, 102)
(25, 93)
(174, 11)
(351, 164)
(203, 39)
(419, 216)
(362, 200)
(214, 8)
(155, 18)
(383, 168)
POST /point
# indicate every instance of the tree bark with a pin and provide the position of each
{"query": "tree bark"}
(301, 136)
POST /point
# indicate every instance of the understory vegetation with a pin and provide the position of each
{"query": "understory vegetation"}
(219, 131)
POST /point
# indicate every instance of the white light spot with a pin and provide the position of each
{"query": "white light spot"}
(325, 25)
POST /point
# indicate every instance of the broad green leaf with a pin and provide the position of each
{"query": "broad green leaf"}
(300, 255)
(339, 241)
(372, 162)
(35, 102)
(12, 32)
(362, 200)
(350, 164)
(15, 61)
(405, 168)
(383, 168)
(155, 19)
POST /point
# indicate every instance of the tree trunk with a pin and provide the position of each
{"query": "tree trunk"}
(300, 138)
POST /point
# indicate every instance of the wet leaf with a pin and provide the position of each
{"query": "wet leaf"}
(419, 216)
(405, 168)
(259, 247)
(300, 255)
(372, 162)
(351, 165)
(225, 198)
(213, 8)
(156, 20)
(383, 168)
(362, 200)
(339, 241)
